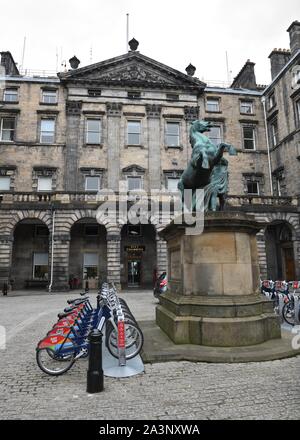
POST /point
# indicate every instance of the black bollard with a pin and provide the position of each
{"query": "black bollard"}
(95, 372)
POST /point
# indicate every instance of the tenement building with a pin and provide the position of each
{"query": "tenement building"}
(74, 143)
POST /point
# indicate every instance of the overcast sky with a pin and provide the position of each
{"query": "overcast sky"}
(174, 32)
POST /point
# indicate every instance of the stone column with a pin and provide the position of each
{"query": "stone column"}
(161, 255)
(262, 255)
(73, 110)
(60, 262)
(154, 145)
(113, 259)
(114, 110)
(6, 244)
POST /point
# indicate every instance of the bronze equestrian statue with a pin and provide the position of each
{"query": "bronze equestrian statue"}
(207, 169)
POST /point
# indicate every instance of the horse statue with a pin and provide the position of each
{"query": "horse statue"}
(207, 169)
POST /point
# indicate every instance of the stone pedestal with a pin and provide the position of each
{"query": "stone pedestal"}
(214, 297)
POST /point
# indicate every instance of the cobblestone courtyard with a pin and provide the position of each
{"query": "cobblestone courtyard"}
(174, 390)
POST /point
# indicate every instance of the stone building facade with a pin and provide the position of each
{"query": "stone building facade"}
(71, 144)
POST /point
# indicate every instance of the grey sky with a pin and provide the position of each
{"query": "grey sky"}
(173, 32)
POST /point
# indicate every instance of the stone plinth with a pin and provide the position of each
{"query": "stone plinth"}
(214, 295)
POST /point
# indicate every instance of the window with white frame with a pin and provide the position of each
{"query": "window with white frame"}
(173, 134)
(212, 105)
(92, 183)
(249, 137)
(274, 132)
(253, 187)
(47, 135)
(4, 183)
(44, 184)
(246, 107)
(215, 135)
(271, 101)
(172, 183)
(40, 265)
(11, 95)
(93, 131)
(49, 96)
(134, 132)
(7, 129)
(297, 108)
(134, 183)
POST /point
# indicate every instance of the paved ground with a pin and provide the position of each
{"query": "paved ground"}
(174, 390)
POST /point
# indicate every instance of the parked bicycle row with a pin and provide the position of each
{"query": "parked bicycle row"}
(67, 341)
(286, 298)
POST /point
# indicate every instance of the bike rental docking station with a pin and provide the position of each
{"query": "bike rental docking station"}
(101, 362)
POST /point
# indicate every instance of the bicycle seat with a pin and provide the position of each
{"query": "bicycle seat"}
(64, 315)
(77, 300)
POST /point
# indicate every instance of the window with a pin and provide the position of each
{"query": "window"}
(274, 132)
(11, 95)
(92, 183)
(134, 95)
(134, 183)
(90, 265)
(297, 107)
(44, 184)
(173, 183)
(271, 101)
(91, 230)
(212, 105)
(4, 183)
(134, 132)
(94, 92)
(249, 138)
(40, 265)
(47, 131)
(7, 129)
(253, 188)
(279, 185)
(172, 134)
(215, 135)
(246, 107)
(93, 131)
(49, 96)
(41, 231)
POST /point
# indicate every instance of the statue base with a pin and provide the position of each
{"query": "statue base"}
(214, 297)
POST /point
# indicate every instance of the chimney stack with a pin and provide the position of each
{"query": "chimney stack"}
(278, 59)
(294, 31)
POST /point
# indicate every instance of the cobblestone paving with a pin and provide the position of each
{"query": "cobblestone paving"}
(174, 390)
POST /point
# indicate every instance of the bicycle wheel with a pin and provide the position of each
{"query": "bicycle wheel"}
(134, 340)
(288, 312)
(54, 364)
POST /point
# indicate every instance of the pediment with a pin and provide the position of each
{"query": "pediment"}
(133, 69)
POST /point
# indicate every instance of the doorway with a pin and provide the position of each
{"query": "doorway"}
(134, 273)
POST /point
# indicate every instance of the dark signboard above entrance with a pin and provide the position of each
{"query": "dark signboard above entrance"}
(134, 248)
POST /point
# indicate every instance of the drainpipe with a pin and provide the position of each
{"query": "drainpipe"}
(263, 100)
(52, 250)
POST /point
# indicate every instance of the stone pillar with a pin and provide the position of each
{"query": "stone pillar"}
(73, 110)
(114, 110)
(6, 245)
(262, 255)
(154, 145)
(161, 255)
(60, 262)
(113, 259)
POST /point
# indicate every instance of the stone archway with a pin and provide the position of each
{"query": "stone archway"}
(30, 254)
(87, 254)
